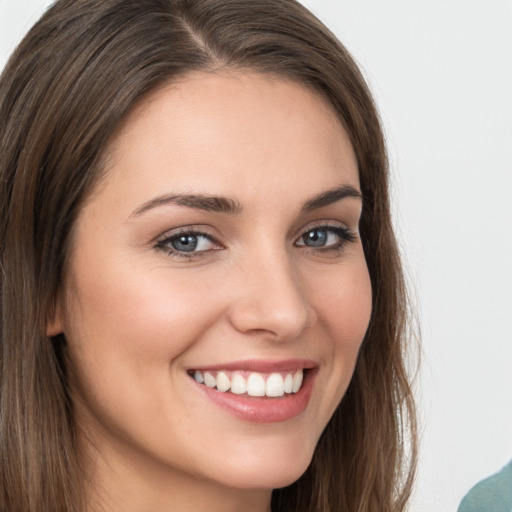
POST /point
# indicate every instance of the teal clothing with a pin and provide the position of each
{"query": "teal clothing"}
(494, 494)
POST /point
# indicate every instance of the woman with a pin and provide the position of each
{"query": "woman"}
(202, 302)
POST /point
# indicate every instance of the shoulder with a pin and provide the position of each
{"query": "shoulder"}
(492, 494)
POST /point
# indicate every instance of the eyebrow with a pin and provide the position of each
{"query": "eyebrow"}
(227, 205)
(203, 202)
(330, 197)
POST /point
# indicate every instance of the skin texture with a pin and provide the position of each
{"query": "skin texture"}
(137, 317)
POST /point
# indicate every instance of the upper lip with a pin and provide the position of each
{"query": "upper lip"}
(260, 365)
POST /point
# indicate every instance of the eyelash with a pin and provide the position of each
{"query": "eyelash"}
(344, 234)
(165, 243)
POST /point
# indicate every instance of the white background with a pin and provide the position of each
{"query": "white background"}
(441, 71)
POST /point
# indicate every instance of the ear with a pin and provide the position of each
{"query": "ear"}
(55, 324)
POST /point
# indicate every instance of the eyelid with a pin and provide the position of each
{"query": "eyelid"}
(194, 229)
(326, 224)
(162, 241)
(346, 235)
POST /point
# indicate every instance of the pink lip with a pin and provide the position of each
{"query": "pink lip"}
(261, 366)
(263, 409)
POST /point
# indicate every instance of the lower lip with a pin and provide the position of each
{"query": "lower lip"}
(264, 409)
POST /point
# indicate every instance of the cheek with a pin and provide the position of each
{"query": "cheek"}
(126, 333)
(143, 313)
(344, 313)
(346, 305)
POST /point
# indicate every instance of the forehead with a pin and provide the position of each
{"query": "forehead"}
(231, 131)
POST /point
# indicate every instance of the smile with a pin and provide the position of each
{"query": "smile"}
(258, 391)
(275, 384)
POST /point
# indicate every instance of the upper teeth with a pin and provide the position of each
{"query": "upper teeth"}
(254, 383)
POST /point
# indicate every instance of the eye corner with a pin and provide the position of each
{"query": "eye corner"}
(326, 237)
(188, 243)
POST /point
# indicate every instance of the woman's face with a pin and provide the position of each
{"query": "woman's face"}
(221, 249)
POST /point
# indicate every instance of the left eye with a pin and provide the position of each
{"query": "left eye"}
(325, 237)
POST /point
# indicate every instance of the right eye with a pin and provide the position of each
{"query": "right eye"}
(187, 243)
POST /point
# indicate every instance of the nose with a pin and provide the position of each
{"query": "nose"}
(271, 300)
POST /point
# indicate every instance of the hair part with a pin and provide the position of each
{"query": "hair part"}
(68, 86)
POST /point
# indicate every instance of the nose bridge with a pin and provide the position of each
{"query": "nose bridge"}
(271, 296)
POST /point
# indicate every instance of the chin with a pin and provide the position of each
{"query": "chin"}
(276, 478)
(269, 468)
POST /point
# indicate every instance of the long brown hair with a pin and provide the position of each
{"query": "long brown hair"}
(64, 92)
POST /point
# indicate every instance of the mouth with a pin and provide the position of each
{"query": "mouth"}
(256, 384)
(258, 391)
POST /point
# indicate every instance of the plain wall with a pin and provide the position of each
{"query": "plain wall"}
(441, 72)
